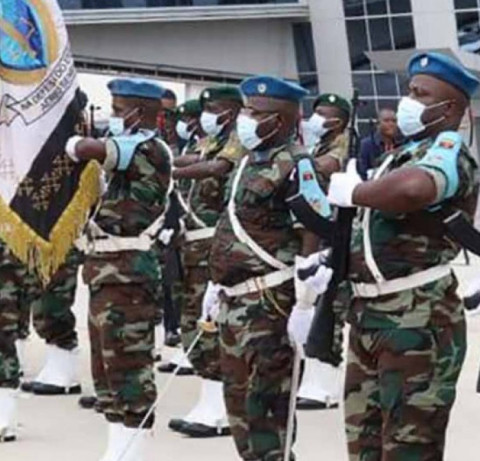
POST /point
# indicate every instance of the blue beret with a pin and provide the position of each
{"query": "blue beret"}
(272, 87)
(135, 88)
(444, 68)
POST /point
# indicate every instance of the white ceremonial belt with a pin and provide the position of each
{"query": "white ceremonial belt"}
(258, 284)
(199, 234)
(113, 244)
(374, 290)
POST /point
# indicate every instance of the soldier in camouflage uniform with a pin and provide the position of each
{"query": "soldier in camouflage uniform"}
(254, 249)
(208, 167)
(324, 134)
(121, 268)
(408, 338)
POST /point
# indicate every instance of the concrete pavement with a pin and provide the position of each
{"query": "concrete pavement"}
(55, 429)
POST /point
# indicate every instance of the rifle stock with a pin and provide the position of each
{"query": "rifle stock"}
(321, 340)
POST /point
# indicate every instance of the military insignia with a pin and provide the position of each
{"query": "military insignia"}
(447, 144)
(30, 43)
(262, 88)
(424, 62)
(182, 110)
(308, 176)
(332, 98)
(206, 95)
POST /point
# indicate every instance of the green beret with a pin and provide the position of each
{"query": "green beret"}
(191, 108)
(334, 100)
(221, 93)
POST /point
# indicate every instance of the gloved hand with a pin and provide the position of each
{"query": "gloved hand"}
(71, 147)
(166, 236)
(307, 291)
(342, 186)
(211, 303)
(299, 324)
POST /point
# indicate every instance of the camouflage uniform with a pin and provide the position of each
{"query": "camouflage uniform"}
(206, 199)
(14, 286)
(256, 356)
(406, 349)
(122, 290)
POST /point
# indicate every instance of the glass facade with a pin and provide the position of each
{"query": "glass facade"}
(377, 25)
(467, 14)
(104, 4)
(306, 63)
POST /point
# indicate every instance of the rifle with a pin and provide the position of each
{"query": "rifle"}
(320, 342)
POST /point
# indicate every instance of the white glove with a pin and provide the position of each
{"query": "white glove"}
(342, 186)
(307, 291)
(71, 148)
(211, 303)
(166, 236)
(299, 324)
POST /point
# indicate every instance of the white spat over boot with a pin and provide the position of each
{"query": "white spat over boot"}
(8, 415)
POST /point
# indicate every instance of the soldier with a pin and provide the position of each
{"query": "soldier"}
(407, 338)
(208, 167)
(252, 266)
(121, 268)
(324, 133)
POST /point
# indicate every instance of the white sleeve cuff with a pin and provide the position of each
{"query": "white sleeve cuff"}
(71, 148)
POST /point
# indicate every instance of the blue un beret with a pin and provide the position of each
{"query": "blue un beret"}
(135, 88)
(444, 68)
(272, 87)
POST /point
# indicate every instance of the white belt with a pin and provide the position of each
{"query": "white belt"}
(113, 244)
(199, 234)
(257, 284)
(374, 290)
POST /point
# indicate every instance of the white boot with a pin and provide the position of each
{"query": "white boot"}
(159, 339)
(114, 435)
(8, 415)
(60, 371)
(21, 345)
(179, 358)
(129, 444)
(321, 383)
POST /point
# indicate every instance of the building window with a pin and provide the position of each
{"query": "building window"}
(103, 4)
(306, 63)
(467, 13)
(377, 25)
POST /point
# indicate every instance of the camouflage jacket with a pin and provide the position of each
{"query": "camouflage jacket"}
(406, 244)
(207, 196)
(135, 198)
(264, 214)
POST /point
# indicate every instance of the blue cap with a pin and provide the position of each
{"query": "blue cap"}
(444, 68)
(272, 87)
(135, 88)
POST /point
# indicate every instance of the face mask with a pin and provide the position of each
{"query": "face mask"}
(116, 125)
(409, 116)
(209, 122)
(247, 131)
(314, 129)
(182, 130)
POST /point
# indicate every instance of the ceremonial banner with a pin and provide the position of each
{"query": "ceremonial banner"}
(44, 196)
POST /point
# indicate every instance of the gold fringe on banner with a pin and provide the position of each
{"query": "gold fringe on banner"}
(46, 257)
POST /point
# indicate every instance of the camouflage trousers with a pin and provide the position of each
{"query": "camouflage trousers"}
(400, 388)
(205, 357)
(121, 327)
(257, 365)
(14, 288)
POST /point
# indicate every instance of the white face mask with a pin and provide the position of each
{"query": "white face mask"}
(209, 122)
(116, 126)
(314, 129)
(247, 128)
(409, 116)
(182, 130)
